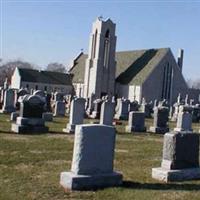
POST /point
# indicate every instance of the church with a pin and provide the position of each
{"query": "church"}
(150, 73)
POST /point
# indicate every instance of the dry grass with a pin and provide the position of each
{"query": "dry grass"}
(30, 166)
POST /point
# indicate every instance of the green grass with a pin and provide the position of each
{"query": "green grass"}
(30, 166)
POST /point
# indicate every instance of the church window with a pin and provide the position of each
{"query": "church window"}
(94, 44)
(106, 48)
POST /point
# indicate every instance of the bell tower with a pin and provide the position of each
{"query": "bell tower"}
(100, 64)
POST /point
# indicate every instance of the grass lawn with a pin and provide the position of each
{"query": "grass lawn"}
(30, 166)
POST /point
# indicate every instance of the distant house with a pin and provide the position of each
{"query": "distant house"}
(42, 80)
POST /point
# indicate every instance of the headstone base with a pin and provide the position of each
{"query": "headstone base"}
(71, 181)
(131, 129)
(48, 117)
(182, 130)
(121, 117)
(28, 129)
(95, 115)
(158, 130)
(70, 128)
(175, 175)
(7, 110)
(13, 116)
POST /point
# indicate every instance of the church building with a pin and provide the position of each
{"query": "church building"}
(136, 74)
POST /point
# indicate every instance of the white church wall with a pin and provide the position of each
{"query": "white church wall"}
(67, 89)
(79, 89)
(16, 79)
(134, 93)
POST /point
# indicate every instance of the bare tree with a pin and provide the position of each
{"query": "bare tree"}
(56, 67)
(6, 69)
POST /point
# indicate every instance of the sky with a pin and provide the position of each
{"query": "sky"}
(41, 31)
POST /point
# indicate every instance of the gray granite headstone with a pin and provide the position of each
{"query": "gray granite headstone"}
(107, 113)
(92, 163)
(160, 122)
(136, 122)
(77, 112)
(180, 157)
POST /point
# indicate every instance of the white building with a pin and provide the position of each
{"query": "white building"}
(42, 80)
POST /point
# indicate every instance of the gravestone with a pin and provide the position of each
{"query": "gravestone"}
(133, 106)
(30, 118)
(47, 116)
(9, 101)
(107, 113)
(39, 93)
(97, 109)
(180, 157)
(59, 109)
(77, 112)
(184, 122)
(58, 96)
(160, 122)
(92, 163)
(13, 116)
(136, 122)
(122, 109)
(22, 92)
(48, 103)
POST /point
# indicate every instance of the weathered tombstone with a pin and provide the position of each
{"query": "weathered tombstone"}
(47, 116)
(58, 96)
(13, 116)
(107, 113)
(160, 122)
(8, 102)
(30, 119)
(133, 106)
(77, 112)
(39, 93)
(180, 158)
(48, 103)
(196, 114)
(136, 122)
(92, 163)
(59, 109)
(22, 92)
(122, 109)
(184, 122)
(97, 109)
(147, 108)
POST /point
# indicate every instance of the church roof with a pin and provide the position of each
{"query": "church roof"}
(37, 76)
(133, 67)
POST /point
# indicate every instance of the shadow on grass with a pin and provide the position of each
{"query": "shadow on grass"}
(160, 186)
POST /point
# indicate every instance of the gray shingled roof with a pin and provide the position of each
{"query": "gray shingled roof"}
(31, 75)
(133, 67)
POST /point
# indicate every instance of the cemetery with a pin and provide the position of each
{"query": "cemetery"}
(117, 125)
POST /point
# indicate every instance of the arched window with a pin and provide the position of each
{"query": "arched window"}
(106, 48)
(94, 45)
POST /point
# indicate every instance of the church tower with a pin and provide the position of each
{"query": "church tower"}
(100, 64)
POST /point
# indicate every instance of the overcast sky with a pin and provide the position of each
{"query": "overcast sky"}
(55, 31)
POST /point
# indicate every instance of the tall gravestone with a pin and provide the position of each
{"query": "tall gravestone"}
(122, 109)
(180, 157)
(30, 119)
(107, 112)
(184, 121)
(160, 122)
(59, 109)
(9, 101)
(92, 163)
(77, 112)
(97, 109)
(136, 122)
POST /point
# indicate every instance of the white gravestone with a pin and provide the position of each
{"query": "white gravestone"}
(92, 163)
(107, 113)
(136, 122)
(77, 112)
